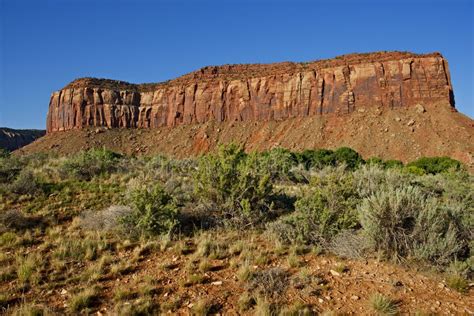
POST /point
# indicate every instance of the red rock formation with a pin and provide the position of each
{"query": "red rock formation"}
(255, 92)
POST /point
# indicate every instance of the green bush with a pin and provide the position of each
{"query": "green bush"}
(404, 222)
(375, 161)
(232, 183)
(434, 165)
(371, 178)
(25, 183)
(414, 170)
(4, 153)
(321, 158)
(279, 162)
(154, 212)
(87, 164)
(351, 158)
(393, 164)
(325, 209)
(10, 167)
(388, 164)
(316, 158)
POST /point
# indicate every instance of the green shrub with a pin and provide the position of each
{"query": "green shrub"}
(154, 212)
(375, 161)
(325, 209)
(389, 164)
(278, 162)
(231, 182)
(25, 183)
(436, 165)
(369, 179)
(316, 158)
(10, 167)
(351, 158)
(87, 164)
(4, 153)
(404, 222)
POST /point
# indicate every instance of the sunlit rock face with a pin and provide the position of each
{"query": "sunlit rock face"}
(255, 92)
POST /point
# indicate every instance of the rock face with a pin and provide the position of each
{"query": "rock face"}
(255, 92)
(12, 139)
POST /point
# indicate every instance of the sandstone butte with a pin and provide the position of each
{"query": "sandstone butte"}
(255, 92)
(396, 105)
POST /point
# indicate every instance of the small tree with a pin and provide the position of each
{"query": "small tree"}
(233, 183)
(154, 212)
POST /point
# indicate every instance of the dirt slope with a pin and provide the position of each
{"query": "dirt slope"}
(402, 133)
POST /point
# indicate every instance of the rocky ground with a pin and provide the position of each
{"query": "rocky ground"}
(177, 277)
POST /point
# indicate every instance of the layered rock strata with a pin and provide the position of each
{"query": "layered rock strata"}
(255, 92)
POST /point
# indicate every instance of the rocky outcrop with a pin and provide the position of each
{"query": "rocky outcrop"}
(12, 139)
(255, 92)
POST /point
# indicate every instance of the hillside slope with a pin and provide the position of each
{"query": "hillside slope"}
(403, 133)
(11, 139)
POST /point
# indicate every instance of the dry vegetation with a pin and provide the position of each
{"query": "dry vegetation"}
(275, 233)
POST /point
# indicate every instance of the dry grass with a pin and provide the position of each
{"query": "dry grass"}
(383, 305)
(83, 300)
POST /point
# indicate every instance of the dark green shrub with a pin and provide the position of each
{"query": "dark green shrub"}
(153, 212)
(232, 183)
(351, 158)
(434, 165)
(87, 164)
(316, 158)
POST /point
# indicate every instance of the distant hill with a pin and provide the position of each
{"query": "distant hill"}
(12, 139)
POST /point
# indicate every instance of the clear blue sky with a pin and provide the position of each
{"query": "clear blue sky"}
(45, 44)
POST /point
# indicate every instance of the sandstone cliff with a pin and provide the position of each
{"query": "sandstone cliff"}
(12, 139)
(270, 92)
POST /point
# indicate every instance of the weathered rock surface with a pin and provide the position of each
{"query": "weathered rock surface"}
(12, 139)
(256, 92)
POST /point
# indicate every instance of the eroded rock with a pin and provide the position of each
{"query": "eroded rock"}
(256, 92)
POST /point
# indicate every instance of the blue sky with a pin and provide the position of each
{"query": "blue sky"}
(45, 44)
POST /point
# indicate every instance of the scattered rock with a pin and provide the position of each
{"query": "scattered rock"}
(411, 122)
(216, 283)
(420, 108)
(355, 298)
(335, 273)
